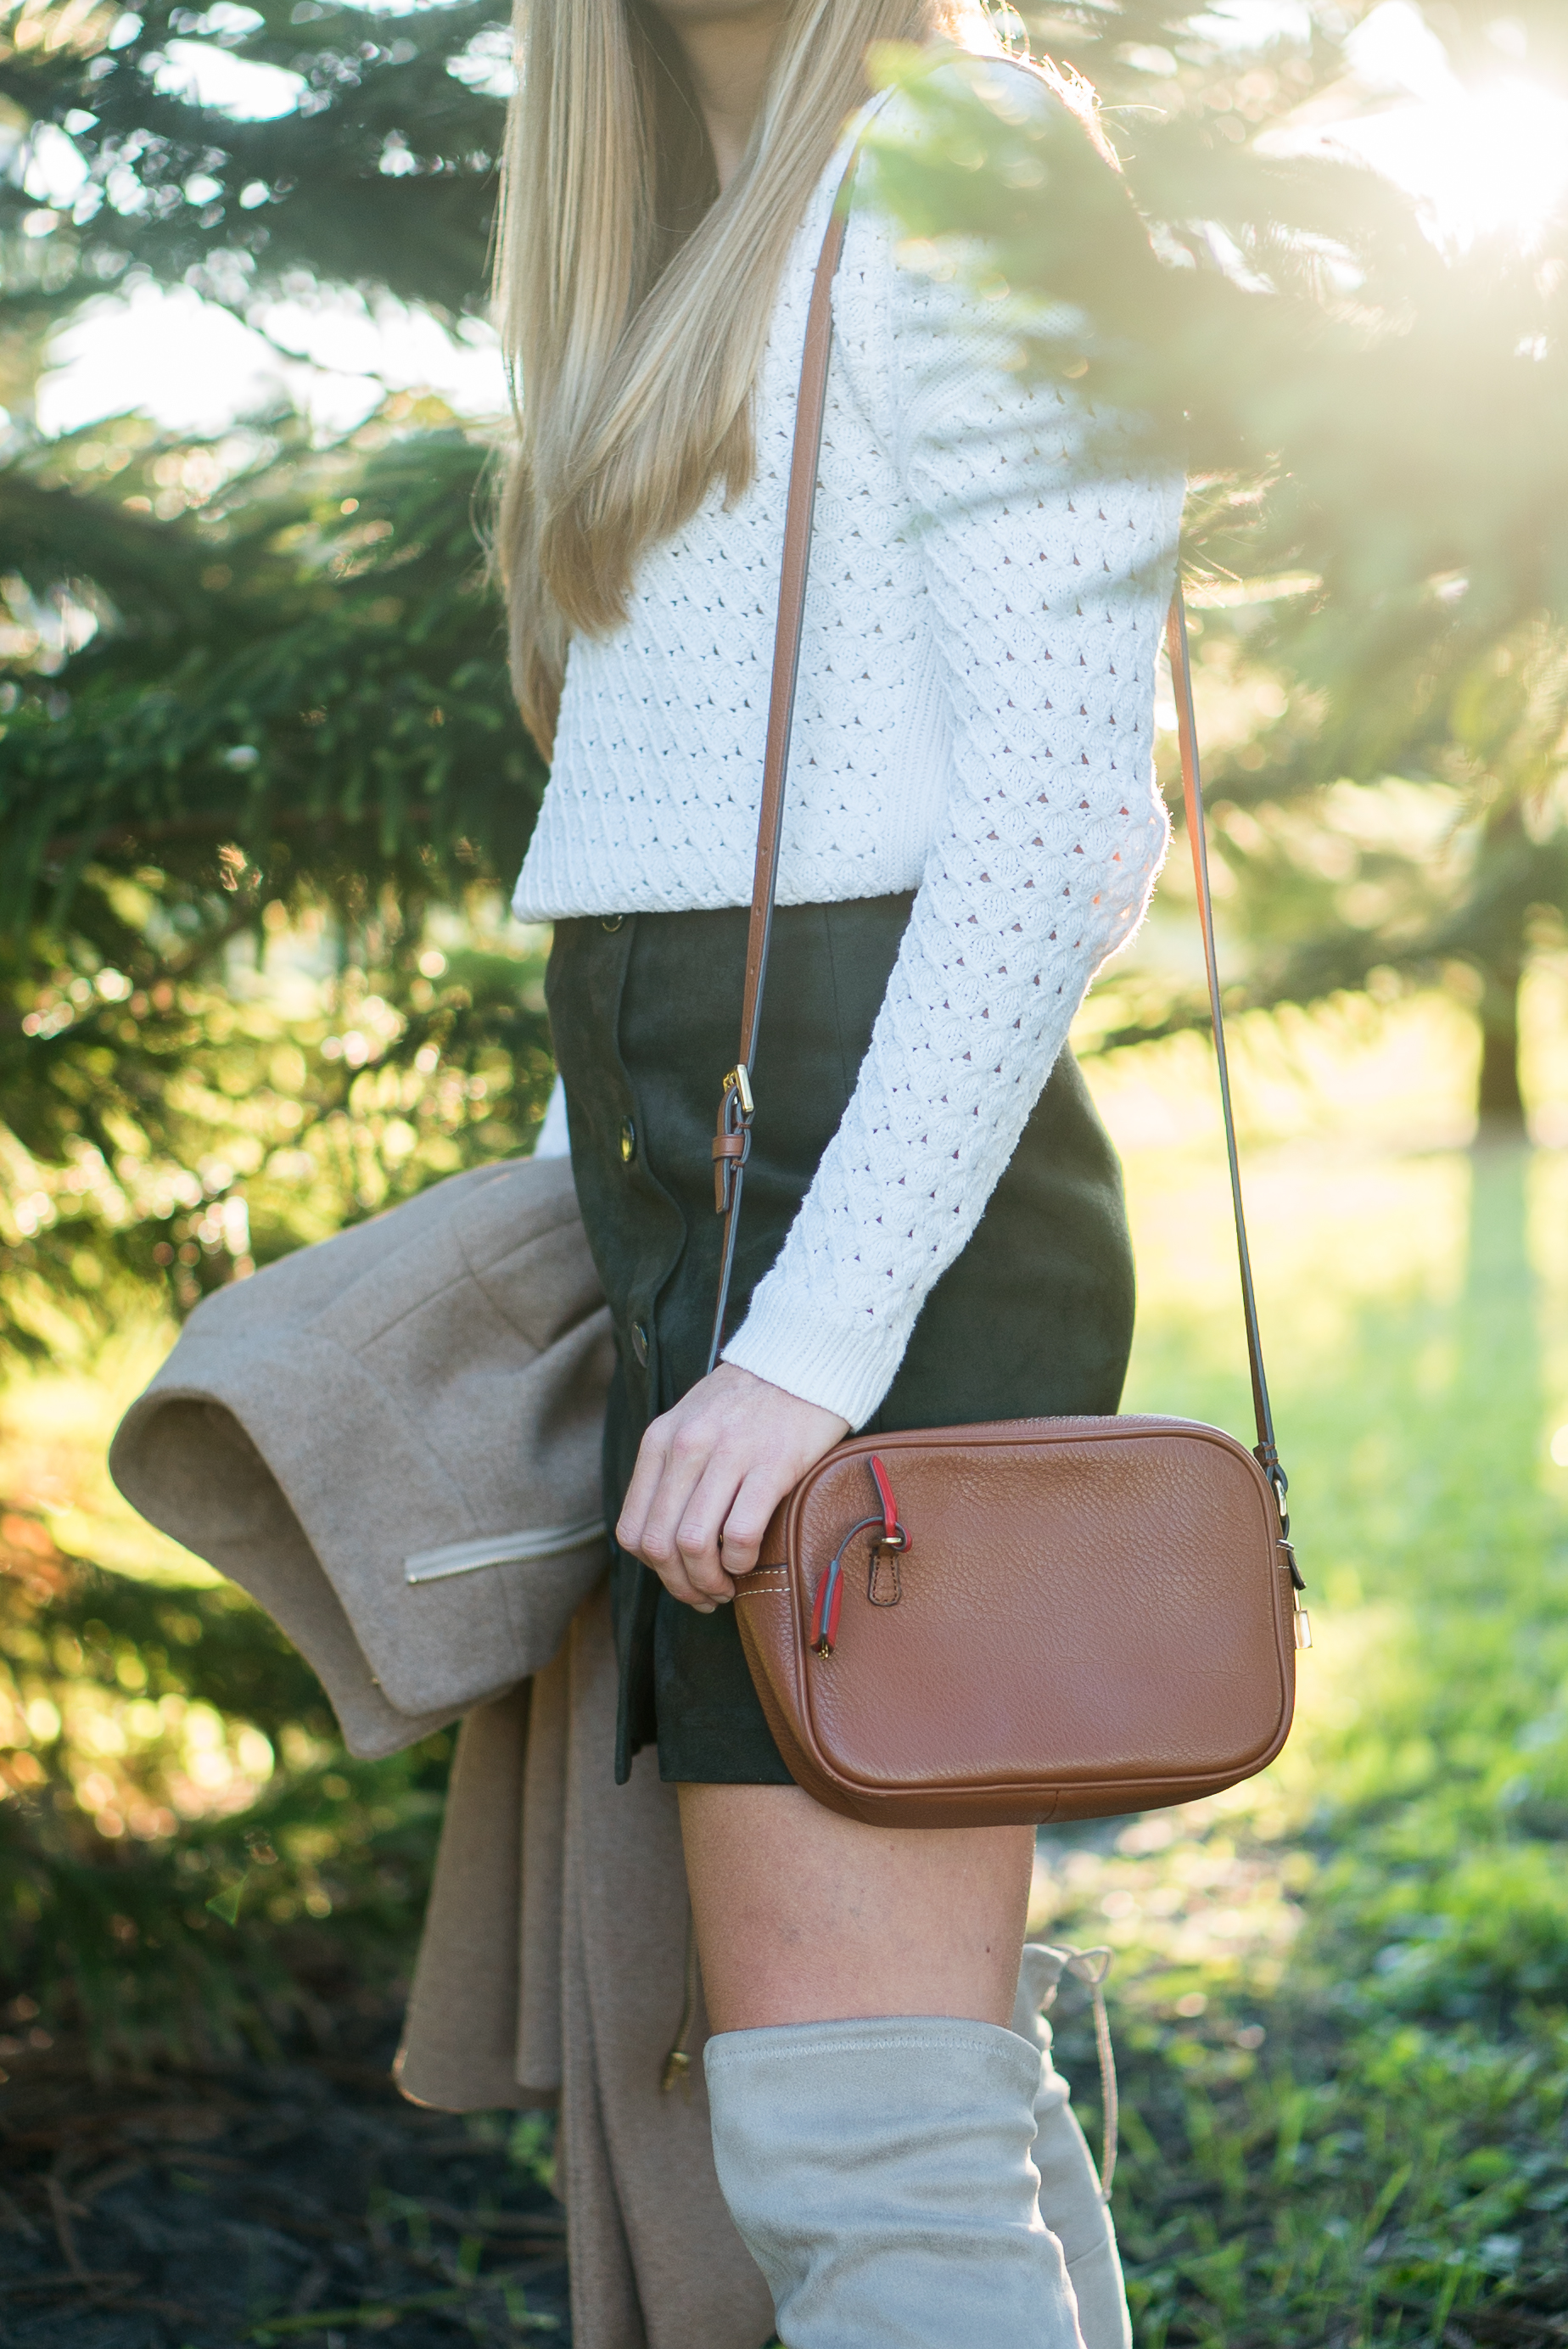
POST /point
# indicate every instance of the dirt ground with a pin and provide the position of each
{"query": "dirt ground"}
(301, 2200)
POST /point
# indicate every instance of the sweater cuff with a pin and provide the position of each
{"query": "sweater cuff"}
(841, 1366)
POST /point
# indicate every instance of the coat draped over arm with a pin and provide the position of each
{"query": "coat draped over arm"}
(391, 1442)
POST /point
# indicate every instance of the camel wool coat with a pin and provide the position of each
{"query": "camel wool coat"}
(392, 1442)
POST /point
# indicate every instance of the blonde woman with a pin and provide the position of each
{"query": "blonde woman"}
(933, 1224)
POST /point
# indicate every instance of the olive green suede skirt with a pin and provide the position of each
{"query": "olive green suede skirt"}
(1034, 1318)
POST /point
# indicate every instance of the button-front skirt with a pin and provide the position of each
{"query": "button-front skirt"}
(1034, 1318)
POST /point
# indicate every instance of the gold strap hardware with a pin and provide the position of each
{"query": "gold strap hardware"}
(677, 2063)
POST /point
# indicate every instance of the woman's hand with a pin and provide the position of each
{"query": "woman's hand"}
(711, 1472)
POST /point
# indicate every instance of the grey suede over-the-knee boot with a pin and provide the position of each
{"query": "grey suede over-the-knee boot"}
(879, 2173)
(1071, 2203)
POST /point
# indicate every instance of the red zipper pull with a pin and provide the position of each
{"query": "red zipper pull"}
(893, 1536)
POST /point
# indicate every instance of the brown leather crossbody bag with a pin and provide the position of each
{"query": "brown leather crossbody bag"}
(1025, 1619)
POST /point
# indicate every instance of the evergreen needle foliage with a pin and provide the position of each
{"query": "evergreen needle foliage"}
(310, 677)
(1376, 429)
(377, 170)
(164, 1938)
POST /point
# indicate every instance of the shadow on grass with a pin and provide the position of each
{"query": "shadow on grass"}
(302, 2200)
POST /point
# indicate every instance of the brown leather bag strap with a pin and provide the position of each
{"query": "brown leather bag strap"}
(810, 402)
(1198, 840)
(732, 1142)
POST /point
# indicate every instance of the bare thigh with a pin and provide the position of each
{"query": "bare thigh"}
(804, 1917)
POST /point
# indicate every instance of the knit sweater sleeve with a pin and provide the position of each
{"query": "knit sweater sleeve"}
(1046, 571)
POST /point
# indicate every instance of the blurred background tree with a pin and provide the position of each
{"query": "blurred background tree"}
(1370, 394)
(259, 780)
(252, 678)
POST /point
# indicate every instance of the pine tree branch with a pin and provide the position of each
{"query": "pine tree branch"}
(123, 839)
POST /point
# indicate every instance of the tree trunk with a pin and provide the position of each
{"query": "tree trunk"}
(1500, 1104)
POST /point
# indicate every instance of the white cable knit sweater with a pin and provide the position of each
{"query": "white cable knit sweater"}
(973, 721)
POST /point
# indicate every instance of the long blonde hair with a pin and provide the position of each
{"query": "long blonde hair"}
(634, 300)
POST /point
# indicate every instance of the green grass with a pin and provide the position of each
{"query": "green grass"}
(1342, 1993)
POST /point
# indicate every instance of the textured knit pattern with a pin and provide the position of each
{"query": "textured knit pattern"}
(974, 720)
